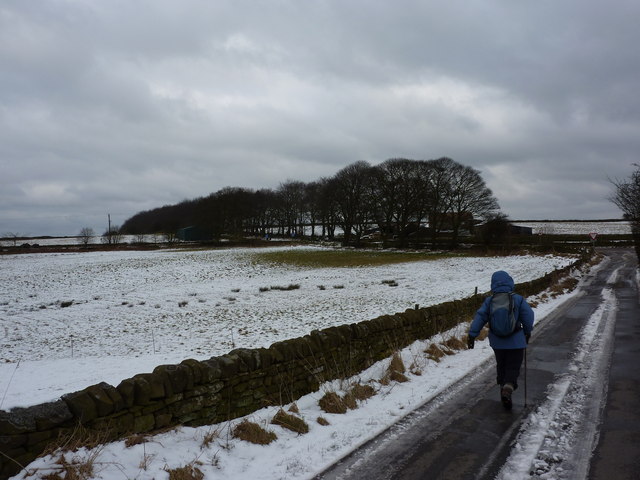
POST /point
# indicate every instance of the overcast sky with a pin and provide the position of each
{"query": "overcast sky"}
(118, 106)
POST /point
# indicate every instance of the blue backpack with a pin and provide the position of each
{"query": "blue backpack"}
(502, 319)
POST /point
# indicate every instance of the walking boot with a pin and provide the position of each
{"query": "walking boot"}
(505, 396)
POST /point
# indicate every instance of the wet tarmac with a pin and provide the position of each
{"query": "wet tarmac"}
(617, 455)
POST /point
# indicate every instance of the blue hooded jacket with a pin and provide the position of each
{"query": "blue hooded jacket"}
(501, 281)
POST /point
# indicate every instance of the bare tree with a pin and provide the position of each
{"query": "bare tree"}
(353, 198)
(399, 197)
(627, 199)
(85, 235)
(439, 194)
(112, 236)
(292, 199)
(13, 236)
(470, 198)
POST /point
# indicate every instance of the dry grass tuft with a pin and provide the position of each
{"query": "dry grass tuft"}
(294, 408)
(567, 284)
(398, 377)
(397, 365)
(455, 343)
(434, 352)
(79, 437)
(253, 433)
(209, 437)
(350, 401)
(331, 402)
(322, 421)
(415, 369)
(188, 472)
(290, 422)
(135, 439)
(76, 469)
(362, 392)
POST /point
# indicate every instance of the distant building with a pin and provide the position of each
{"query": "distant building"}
(193, 234)
(519, 230)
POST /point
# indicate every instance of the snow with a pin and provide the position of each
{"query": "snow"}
(126, 314)
(620, 227)
(119, 331)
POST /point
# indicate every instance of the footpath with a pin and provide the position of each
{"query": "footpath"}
(465, 433)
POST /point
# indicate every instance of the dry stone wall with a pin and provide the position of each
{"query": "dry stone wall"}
(229, 386)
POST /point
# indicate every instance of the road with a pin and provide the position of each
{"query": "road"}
(581, 373)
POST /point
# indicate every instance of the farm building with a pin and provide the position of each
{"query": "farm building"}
(193, 234)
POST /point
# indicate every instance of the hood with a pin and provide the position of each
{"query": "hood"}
(501, 282)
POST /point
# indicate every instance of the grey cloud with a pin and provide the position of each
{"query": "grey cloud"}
(122, 106)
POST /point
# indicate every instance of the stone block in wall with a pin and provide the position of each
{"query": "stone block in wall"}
(206, 391)
(39, 437)
(266, 357)
(229, 366)
(142, 390)
(186, 407)
(106, 398)
(379, 324)
(177, 377)
(144, 423)
(81, 405)
(241, 387)
(282, 351)
(244, 401)
(302, 347)
(412, 316)
(50, 415)
(248, 357)
(126, 389)
(119, 423)
(276, 354)
(360, 330)
(13, 442)
(196, 370)
(176, 397)
(17, 421)
(211, 370)
(206, 416)
(163, 420)
(153, 407)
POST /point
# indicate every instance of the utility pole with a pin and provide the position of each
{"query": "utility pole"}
(109, 228)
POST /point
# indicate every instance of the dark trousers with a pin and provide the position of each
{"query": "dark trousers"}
(508, 362)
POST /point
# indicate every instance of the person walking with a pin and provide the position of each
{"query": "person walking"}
(510, 321)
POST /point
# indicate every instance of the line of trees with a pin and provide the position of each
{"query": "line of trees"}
(398, 197)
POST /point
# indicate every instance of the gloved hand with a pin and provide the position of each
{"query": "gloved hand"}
(527, 337)
(470, 341)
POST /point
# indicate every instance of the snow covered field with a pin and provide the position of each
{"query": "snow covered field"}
(578, 228)
(131, 311)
